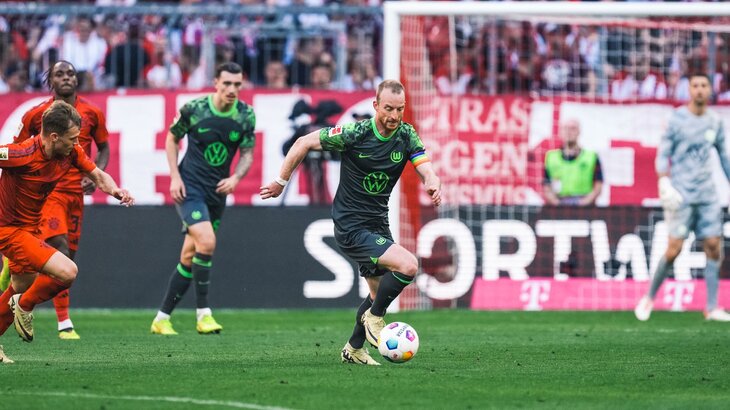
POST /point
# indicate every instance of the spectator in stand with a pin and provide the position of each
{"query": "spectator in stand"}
(461, 84)
(15, 79)
(165, 72)
(321, 77)
(276, 75)
(44, 40)
(126, 61)
(305, 57)
(84, 49)
(638, 81)
(564, 69)
(677, 86)
(304, 20)
(573, 175)
(589, 48)
(362, 75)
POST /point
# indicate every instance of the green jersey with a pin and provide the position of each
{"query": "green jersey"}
(213, 139)
(371, 166)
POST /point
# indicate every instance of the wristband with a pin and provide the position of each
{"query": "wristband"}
(281, 181)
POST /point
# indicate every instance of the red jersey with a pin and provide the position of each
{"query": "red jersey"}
(28, 178)
(93, 127)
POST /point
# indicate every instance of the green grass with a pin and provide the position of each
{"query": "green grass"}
(290, 359)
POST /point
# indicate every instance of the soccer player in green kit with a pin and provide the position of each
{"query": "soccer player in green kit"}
(217, 126)
(374, 153)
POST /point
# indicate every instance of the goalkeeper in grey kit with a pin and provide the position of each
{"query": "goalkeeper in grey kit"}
(374, 153)
(688, 193)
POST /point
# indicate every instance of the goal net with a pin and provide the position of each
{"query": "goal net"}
(488, 86)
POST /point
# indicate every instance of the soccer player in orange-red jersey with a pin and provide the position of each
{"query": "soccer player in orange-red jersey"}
(31, 170)
(63, 213)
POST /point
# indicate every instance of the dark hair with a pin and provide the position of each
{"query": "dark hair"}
(49, 73)
(59, 118)
(393, 85)
(700, 74)
(229, 67)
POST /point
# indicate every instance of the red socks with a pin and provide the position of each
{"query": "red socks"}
(61, 303)
(43, 288)
(6, 315)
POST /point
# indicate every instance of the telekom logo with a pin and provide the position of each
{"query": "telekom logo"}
(534, 293)
(678, 294)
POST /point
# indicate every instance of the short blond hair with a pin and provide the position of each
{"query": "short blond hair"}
(393, 85)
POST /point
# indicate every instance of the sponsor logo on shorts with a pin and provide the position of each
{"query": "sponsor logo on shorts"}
(196, 215)
(4, 153)
(380, 241)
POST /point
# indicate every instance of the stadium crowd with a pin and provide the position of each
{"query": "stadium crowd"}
(618, 61)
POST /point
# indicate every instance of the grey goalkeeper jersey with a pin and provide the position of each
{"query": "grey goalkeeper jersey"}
(685, 150)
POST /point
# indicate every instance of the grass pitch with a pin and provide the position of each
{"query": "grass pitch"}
(290, 359)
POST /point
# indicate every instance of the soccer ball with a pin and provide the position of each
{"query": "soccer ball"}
(398, 342)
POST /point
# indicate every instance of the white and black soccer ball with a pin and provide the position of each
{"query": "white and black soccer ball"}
(398, 342)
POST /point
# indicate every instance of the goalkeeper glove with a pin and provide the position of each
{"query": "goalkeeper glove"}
(670, 197)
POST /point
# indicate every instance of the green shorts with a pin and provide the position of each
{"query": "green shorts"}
(195, 209)
(365, 247)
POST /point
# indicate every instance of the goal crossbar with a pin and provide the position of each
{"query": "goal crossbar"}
(392, 11)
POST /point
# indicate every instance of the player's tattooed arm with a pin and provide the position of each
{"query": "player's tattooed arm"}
(245, 159)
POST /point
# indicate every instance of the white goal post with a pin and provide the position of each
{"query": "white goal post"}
(406, 44)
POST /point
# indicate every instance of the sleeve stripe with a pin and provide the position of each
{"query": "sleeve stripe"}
(24, 152)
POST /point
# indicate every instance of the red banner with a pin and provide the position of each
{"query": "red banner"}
(480, 148)
(487, 150)
(138, 122)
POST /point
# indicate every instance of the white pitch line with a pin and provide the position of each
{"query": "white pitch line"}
(170, 399)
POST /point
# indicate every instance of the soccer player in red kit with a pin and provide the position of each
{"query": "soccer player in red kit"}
(31, 170)
(63, 213)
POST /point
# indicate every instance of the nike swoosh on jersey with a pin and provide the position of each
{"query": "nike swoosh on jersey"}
(202, 130)
(361, 155)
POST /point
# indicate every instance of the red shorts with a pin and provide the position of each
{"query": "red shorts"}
(62, 215)
(26, 251)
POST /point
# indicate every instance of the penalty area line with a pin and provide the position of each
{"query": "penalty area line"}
(169, 399)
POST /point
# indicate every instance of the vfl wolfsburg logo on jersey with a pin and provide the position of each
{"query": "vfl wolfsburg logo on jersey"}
(396, 156)
(216, 154)
(375, 182)
(234, 136)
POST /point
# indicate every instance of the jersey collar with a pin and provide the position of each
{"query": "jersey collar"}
(377, 133)
(229, 113)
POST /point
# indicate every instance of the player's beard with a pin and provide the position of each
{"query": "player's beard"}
(391, 125)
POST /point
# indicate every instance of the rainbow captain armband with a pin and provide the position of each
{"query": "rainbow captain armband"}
(419, 158)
